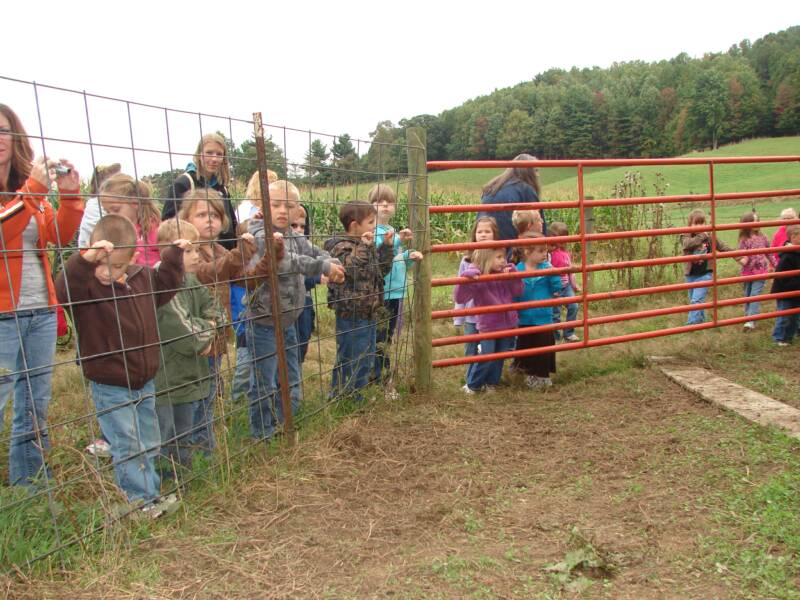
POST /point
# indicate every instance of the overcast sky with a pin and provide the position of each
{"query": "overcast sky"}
(331, 67)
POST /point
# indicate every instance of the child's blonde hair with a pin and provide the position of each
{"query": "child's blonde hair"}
(224, 175)
(253, 191)
(288, 186)
(482, 259)
(176, 229)
(214, 199)
(380, 192)
(746, 232)
(788, 214)
(122, 187)
(523, 220)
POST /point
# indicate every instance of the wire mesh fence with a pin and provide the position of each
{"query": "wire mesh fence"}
(180, 289)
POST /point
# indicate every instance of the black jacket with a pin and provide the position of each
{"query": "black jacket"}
(788, 261)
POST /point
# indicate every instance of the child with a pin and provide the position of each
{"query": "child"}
(560, 258)
(252, 201)
(299, 223)
(486, 375)
(358, 300)
(205, 209)
(186, 326)
(114, 306)
(751, 238)
(524, 221)
(698, 270)
(537, 368)
(383, 198)
(786, 326)
(300, 260)
(484, 230)
(780, 238)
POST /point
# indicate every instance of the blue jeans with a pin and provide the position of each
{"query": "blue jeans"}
(572, 312)
(786, 326)
(384, 333)
(753, 288)
(305, 327)
(266, 408)
(489, 372)
(244, 378)
(175, 423)
(355, 355)
(697, 296)
(470, 348)
(203, 426)
(129, 423)
(27, 347)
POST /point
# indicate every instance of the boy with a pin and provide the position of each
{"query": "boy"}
(524, 221)
(786, 326)
(186, 326)
(359, 299)
(114, 310)
(560, 258)
(383, 198)
(300, 260)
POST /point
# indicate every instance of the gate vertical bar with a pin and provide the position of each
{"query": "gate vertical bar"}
(713, 238)
(280, 342)
(416, 140)
(584, 255)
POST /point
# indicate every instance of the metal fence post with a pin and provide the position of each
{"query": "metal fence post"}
(420, 224)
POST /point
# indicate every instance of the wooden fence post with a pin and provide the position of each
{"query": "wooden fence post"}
(420, 224)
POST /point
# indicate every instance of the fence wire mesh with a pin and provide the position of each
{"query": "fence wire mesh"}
(137, 372)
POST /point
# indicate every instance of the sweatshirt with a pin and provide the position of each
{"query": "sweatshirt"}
(542, 287)
(360, 295)
(490, 293)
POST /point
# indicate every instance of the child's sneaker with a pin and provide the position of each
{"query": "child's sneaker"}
(468, 390)
(749, 326)
(163, 506)
(538, 383)
(99, 448)
(572, 338)
(490, 389)
(782, 344)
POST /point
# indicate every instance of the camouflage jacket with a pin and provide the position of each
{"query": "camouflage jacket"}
(361, 293)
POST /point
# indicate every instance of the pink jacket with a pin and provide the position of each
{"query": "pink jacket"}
(490, 293)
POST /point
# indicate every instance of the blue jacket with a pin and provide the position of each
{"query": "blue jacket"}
(543, 287)
(394, 284)
(513, 192)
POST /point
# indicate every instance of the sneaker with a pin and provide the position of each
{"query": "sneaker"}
(538, 383)
(749, 326)
(572, 338)
(490, 389)
(99, 448)
(468, 390)
(782, 344)
(163, 506)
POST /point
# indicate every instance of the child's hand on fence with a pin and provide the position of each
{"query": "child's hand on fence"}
(182, 244)
(415, 255)
(98, 251)
(208, 349)
(336, 273)
(509, 268)
(577, 289)
(323, 280)
(248, 246)
(277, 235)
(369, 236)
(388, 238)
(406, 235)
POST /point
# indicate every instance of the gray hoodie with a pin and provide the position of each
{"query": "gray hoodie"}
(301, 259)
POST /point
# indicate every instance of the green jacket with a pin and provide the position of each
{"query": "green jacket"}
(186, 327)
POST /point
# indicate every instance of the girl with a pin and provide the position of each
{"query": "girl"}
(205, 209)
(698, 270)
(122, 195)
(251, 204)
(484, 230)
(209, 169)
(751, 238)
(537, 368)
(489, 293)
(27, 293)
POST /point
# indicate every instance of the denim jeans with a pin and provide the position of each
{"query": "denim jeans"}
(384, 332)
(489, 372)
(470, 348)
(572, 312)
(244, 378)
(355, 355)
(697, 296)
(175, 423)
(786, 326)
(203, 426)
(266, 408)
(305, 327)
(27, 347)
(129, 423)
(753, 288)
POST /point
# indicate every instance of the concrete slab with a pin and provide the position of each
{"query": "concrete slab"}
(751, 405)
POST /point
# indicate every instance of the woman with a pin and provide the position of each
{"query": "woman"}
(512, 186)
(209, 169)
(27, 294)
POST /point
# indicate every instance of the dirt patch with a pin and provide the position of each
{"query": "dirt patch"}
(462, 497)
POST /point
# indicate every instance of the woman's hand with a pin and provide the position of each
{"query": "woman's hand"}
(44, 171)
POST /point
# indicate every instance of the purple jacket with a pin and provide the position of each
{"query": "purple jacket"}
(490, 293)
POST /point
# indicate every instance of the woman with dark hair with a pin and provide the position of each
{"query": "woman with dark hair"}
(513, 186)
(27, 294)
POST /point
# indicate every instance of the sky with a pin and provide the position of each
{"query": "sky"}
(330, 68)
